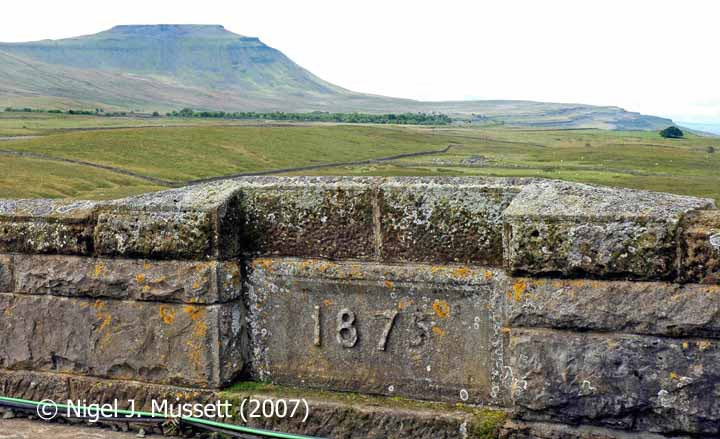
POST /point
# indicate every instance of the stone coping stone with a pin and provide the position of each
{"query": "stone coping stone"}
(193, 345)
(700, 247)
(193, 222)
(445, 219)
(47, 226)
(418, 331)
(652, 308)
(326, 217)
(574, 229)
(532, 226)
(635, 383)
(201, 282)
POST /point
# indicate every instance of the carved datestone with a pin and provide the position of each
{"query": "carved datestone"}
(421, 331)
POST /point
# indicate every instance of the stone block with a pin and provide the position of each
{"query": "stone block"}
(47, 226)
(575, 229)
(700, 247)
(424, 332)
(442, 220)
(204, 282)
(187, 345)
(195, 222)
(324, 217)
(653, 308)
(642, 383)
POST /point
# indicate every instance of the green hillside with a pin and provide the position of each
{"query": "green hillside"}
(149, 68)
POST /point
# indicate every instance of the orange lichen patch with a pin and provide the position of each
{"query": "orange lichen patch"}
(488, 274)
(140, 278)
(389, 284)
(167, 314)
(519, 288)
(462, 272)
(147, 265)
(327, 302)
(436, 268)
(404, 303)
(440, 332)
(200, 329)
(100, 269)
(195, 312)
(685, 345)
(106, 320)
(703, 345)
(442, 308)
(264, 263)
(196, 284)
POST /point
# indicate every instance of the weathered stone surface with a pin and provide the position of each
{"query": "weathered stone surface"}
(324, 217)
(203, 346)
(46, 226)
(700, 247)
(419, 331)
(6, 280)
(161, 281)
(445, 219)
(622, 306)
(337, 416)
(195, 222)
(640, 383)
(575, 229)
(26, 429)
(547, 430)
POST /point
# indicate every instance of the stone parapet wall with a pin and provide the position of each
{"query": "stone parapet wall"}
(563, 303)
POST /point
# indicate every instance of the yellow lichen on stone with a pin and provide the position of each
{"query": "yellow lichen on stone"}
(442, 308)
(167, 314)
(389, 284)
(440, 332)
(519, 288)
(703, 345)
(195, 312)
(462, 272)
(100, 269)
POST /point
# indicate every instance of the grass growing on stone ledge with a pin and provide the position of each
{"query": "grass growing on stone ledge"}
(186, 149)
(485, 421)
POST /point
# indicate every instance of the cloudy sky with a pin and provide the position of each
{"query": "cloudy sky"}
(654, 56)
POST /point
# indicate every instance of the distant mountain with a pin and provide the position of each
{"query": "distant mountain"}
(166, 67)
(710, 128)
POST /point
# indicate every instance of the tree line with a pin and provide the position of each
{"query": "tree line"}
(315, 116)
(321, 116)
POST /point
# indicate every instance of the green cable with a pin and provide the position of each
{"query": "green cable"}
(238, 428)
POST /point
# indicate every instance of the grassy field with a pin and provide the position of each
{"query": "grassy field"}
(171, 149)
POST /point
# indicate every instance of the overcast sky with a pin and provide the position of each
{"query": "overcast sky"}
(654, 56)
